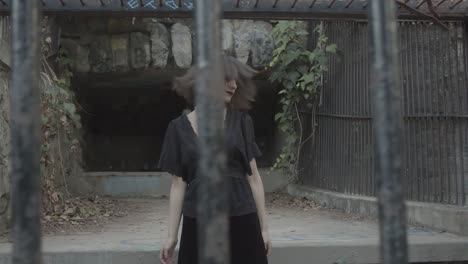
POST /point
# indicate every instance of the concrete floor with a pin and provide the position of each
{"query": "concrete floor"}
(298, 235)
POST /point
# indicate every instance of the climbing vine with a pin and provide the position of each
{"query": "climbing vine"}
(60, 126)
(299, 71)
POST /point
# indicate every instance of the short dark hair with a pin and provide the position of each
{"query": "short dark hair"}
(233, 70)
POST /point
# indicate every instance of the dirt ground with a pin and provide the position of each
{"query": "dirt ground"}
(108, 211)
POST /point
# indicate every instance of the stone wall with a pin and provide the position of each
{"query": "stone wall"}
(104, 45)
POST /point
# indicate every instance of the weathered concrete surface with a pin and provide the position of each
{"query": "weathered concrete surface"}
(5, 148)
(448, 218)
(298, 236)
(129, 184)
(152, 184)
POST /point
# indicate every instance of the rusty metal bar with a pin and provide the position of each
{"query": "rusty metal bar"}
(440, 3)
(392, 213)
(331, 3)
(350, 2)
(275, 4)
(25, 131)
(420, 4)
(455, 4)
(312, 4)
(212, 220)
(294, 4)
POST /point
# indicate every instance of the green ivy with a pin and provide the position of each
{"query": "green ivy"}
(300, 72)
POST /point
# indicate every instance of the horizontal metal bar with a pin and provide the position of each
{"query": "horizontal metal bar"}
(251, 9)
(435, 116)
(343, 116)
(404, 117)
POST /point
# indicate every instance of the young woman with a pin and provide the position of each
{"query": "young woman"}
(248, 229)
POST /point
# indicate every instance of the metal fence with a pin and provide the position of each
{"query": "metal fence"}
(434, 108)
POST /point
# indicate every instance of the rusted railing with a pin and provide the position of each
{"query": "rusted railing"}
(434, 112)
(212, 214)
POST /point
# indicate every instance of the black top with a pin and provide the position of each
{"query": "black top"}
(179, 156)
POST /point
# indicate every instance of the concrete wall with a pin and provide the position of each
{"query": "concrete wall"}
(441, 217)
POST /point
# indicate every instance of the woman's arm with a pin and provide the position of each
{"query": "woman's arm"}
(256, 184)
(259, 194)
(176, 200)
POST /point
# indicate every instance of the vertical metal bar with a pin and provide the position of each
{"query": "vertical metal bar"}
(345, 121)
(212, 216)
(360, 102)
(430, 111)
(369, 150)
(25, 130)
(460, 84)
(354, 104)
(331, 136)
(423, 126)
(408, 106)
(316, 157)
(453, 75)
(411, 111)
(447, 111)
(440, 109)
(329, 153)
(449, 119)
(465, 107)
(426, 78)
(417, 120)
(387, 97)
(401, 31)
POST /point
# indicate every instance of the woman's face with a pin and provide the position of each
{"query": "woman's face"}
(230, 88)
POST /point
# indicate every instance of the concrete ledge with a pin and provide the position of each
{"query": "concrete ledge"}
(129, 184)
(150, 184)
(441, 217)
(291, 253)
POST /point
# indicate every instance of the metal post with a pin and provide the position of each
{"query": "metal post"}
(25, 131)
(388, 132)
(212, 210)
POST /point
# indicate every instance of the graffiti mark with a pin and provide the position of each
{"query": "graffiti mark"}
(133, 3)
(244, 3)
(189, 5)
(151, 4)
(172, 4)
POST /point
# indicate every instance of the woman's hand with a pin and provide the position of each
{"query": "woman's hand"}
(165, 254)
(267, 242)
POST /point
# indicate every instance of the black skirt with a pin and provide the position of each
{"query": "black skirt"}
(246, 239)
